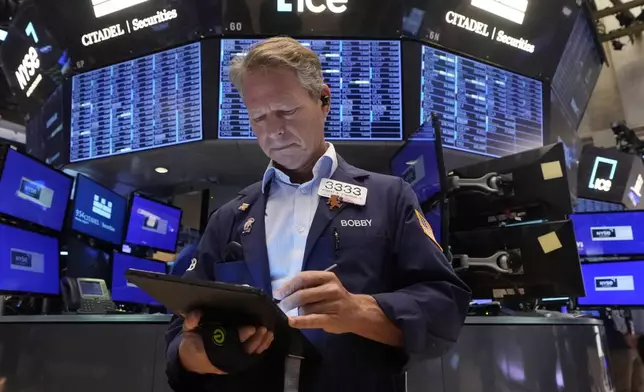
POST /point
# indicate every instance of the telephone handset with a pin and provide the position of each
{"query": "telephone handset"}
(85, 295)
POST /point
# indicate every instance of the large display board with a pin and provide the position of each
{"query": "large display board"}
(365, 81)
(526, 36)
(149, 102)
(577, 72)
(484, 109)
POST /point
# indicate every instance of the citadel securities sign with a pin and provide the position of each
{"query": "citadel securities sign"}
(117, 30)
(483, 29)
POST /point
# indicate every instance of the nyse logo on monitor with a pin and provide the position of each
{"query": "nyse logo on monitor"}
(106, 7)
(35, 192)
(614, 283)
(603, 174)
(612, 233)
(27, 261)
(512, 10)
(335, 6)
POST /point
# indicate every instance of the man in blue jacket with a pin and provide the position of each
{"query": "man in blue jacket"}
(392, 300)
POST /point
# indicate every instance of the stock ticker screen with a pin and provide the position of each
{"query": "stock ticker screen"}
(146, 103)
(577, 72)
(365, 81)
(484, 109)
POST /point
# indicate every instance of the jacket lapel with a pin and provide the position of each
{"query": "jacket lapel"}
(324, 215)
(254, 241)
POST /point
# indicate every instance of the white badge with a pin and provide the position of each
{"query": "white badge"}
(349, 193)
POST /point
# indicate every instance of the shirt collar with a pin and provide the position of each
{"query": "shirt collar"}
(324, 168)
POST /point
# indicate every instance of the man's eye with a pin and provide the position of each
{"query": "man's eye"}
(258, 119)
(289, 112)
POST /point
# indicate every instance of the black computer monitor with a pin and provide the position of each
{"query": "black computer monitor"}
(610, 233)
(153, 224)
(29, 262)
(420, 163)
(613, 284)
(98, 212)
(85, 261)
(529, 186)
(540, 258)
(124, 291)
(32, 191)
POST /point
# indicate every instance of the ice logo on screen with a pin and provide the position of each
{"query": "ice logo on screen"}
(613, 233)
(106, 7)
(415, 171)
(335, 6)
(27, 261)
(35, 192)
(614, 283)
(597, 181)
(153, 222)
(102, 207)
(512, 10)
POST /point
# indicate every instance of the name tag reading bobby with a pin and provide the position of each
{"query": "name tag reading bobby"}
(349, 193)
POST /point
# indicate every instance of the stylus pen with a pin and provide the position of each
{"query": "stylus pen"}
(331, 268)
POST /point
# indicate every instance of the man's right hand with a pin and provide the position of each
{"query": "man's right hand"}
(193, 355)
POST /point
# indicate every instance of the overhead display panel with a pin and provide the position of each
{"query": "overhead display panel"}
(102, 32)
(577, 72)
(46, 136)
(484, 109)
(150, 102)
(32, 60)
(365, 81)
(336, 18)
(527, 36)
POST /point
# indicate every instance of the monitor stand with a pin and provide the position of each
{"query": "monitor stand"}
(45, 306)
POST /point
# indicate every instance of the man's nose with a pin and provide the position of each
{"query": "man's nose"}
(275, 126)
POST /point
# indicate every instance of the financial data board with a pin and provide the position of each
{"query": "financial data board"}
(365, 81)
(146, 103)
(484, 109)
(577, 72)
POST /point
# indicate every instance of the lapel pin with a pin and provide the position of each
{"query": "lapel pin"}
(243, 207)
(334, 202)
(248, 226)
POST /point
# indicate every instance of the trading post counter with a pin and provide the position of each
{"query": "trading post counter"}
(127, 353)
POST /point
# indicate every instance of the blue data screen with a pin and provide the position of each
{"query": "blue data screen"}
(365, 81)
(28, 262)
(484, 109)
(124, 291)
(613, 284)
(613, 233)
(146, 103)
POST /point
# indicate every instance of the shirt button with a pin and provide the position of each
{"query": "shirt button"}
(303, 190)
(300, 229)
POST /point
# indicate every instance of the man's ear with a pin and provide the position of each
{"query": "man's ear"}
(325, 99)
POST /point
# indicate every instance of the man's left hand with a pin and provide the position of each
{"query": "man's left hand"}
(323, 302)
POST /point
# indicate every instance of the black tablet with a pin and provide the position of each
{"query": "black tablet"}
(181, 295)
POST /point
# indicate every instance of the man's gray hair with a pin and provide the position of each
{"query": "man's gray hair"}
(281, 53)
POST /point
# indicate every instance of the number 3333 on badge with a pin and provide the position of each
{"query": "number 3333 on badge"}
(349, 193)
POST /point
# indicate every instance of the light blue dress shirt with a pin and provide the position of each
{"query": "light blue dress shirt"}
(290, 209)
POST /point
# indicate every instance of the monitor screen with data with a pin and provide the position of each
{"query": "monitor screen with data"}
(609, 233)
(577, 72)
(150, 102)
(613, 284)
(33, 191)
(124, 291)
(152, 224)
(28, 262)
(98, 212)
(365, 81)
(484, 109)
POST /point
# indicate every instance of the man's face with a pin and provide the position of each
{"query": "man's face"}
(288, 122)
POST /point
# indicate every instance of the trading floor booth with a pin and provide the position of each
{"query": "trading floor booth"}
(134, 100)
